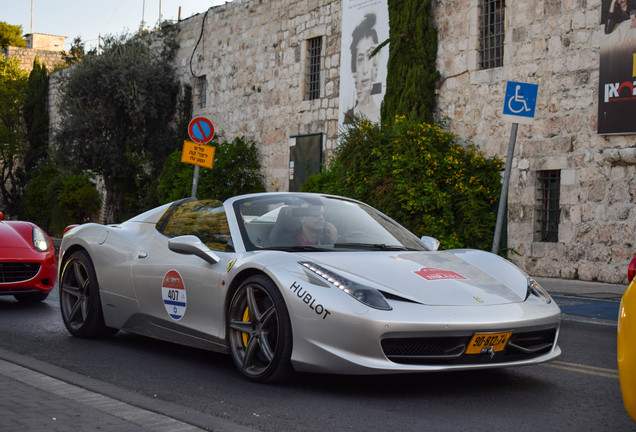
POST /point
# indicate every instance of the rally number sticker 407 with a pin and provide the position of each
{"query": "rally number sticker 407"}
(174, 295)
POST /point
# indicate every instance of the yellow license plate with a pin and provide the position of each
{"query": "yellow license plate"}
(488, 342)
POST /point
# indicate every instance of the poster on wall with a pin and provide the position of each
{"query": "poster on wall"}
(365, 24)
(617, 68)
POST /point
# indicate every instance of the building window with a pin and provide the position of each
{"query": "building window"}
(201, 88)
(491, 33)
(314, 50)
(549, 184)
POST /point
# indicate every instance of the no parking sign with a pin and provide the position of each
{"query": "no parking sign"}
(201, 130)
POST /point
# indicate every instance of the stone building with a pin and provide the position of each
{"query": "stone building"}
(572, 199)
(247, 62)
(556, 44)
(47, 48)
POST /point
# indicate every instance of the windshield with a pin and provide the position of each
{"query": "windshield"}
(318, 223)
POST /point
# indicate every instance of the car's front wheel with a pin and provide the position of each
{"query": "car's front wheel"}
(79, 298)
(259, 331)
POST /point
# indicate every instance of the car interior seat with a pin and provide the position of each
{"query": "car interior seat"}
(285, 228)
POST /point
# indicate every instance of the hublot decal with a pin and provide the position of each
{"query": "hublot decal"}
(309, 300)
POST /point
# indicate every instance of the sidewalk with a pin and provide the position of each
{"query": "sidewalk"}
(583, 289)
(585, 301)
(40, 397)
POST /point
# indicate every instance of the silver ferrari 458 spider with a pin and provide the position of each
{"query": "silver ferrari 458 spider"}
(288, 282)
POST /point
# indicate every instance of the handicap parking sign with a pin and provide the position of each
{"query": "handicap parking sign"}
(520, 102)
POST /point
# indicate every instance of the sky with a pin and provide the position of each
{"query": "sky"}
(90, 18)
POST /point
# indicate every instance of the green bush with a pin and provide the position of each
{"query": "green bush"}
(420, 175)
(39, 195)
(78, 198)
(54, 199)
(236, 170)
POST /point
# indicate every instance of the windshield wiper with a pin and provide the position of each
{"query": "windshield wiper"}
(372, 246)
(298, 248)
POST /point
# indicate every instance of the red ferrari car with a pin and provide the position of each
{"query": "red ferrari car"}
(28, 265)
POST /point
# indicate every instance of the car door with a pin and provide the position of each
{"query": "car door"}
(183, 295)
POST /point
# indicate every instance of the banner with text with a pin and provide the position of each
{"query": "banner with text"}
(617, 68)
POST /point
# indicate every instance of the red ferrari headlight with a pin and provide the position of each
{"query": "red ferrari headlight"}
(631, 271)
(40, 242)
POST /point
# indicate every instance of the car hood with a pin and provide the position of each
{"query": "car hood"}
(10, 237)
(460, 277)
(13, 245)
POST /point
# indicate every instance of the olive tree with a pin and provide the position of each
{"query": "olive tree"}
(116, 109)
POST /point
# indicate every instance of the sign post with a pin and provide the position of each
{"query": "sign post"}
(201, 131)
(519, 105)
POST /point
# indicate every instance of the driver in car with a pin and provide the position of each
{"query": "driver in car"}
(314, 227)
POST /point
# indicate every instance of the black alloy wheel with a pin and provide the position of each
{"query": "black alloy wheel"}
(79, 298)
(259, 331)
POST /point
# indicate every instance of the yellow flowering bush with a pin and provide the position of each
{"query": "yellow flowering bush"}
(422, 176)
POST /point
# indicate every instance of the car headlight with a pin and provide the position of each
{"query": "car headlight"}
(369, 296)
(40, 242)
(535, 289)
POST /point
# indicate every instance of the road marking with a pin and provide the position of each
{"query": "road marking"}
(581, 368)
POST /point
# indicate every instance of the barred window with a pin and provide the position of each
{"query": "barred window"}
(491, 33)
(200, 91)
(549, 184)
(314, 51)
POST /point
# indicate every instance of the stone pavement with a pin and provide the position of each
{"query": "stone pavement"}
(40, 397)
(37, 396)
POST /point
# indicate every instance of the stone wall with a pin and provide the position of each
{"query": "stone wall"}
(253, 54)
(51, 59)
(555, 44)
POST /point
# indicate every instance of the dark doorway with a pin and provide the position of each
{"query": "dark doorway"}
(305, 159)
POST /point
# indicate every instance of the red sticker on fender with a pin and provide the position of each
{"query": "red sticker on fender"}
(431, 273)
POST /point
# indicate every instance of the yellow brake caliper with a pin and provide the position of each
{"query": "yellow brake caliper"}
(246, 318)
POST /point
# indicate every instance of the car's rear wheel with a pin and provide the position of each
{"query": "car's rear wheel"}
(259, 331)
(31, 297)
(79, 298)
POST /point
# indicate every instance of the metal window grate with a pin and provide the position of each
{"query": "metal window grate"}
(549, 184)
(314, 50)
(201, 91)
(492, 32)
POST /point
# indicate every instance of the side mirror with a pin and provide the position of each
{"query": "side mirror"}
(430, 243)
(191, 245)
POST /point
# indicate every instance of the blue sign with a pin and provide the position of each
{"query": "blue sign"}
(520, 102)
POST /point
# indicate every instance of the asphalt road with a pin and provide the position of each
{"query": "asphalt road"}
(577, 392)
